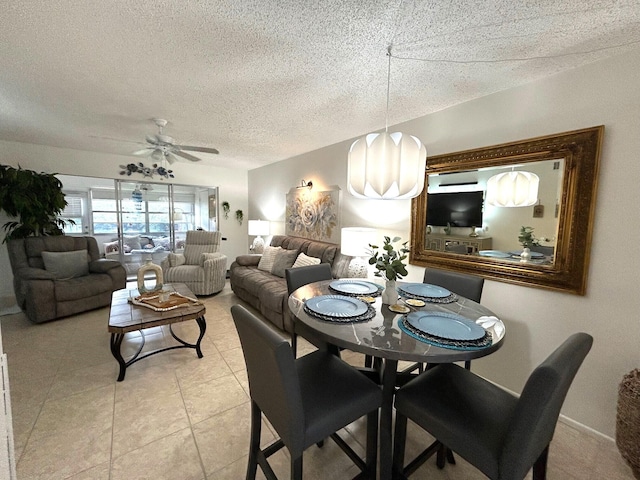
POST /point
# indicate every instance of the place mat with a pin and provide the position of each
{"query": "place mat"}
(368, 315)
(152, 300)
(351, 294)
(449, 299)
(484, 342)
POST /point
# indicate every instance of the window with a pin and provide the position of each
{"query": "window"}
(74, 212)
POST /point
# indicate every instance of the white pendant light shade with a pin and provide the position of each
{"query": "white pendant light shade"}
(513, 189)
(386, 166)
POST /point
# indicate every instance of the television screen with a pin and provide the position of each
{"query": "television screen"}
(459, 209)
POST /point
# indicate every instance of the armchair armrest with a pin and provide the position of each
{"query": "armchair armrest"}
(248, 260)
(174, 260)
(31, 273)
(103, 265)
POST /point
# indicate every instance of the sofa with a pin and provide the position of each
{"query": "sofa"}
(58, 276)
(267, 292)
(136, 248)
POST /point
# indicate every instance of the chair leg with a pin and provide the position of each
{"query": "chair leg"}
(294, 344)
(368, 361)
(440, 456)
(254, 445)
(399, 439)
(296, 468)
(372, 445)
(540, 467)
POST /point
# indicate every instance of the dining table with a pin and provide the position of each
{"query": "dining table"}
(390, 336)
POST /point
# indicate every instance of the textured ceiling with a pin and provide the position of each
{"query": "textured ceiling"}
(264, 80)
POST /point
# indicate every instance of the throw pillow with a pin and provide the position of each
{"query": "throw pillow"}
(304, 260)
(132, 242)
(193, 253)
(66, 265)
(268, 257)
(284, 260)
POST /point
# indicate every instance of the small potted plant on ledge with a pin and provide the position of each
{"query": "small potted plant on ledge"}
(389, 264)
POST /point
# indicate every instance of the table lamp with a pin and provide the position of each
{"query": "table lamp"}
(355, 243)
(258, 228)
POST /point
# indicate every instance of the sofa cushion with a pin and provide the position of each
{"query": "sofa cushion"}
(304, 260)
(133, 242)
(268, 258)
(66, 265)
(284, 259)
(82, 287)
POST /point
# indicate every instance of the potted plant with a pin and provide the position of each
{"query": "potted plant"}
(526, 238)
(34, 199)
(389, 264)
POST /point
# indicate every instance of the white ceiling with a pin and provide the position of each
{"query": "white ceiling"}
(264, 80)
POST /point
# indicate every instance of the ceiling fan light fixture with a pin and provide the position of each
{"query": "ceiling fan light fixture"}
(387, 166)
(513, 189)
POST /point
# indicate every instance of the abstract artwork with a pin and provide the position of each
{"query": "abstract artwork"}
(313, 215)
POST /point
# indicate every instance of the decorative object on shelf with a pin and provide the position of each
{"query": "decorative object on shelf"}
(354, 243)
(473, 233)
(149, 267)
(628, 420)
(226, 209)
(304, 184)
(312, 214)
(384, 165)
(447, 229)
(513, 189)
(390, 265)
(258, 228)
(527, 238)
(525, 256)
(139, 167)
(239, 216)
(34, 214)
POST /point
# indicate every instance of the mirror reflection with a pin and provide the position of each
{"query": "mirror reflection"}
(460, 220)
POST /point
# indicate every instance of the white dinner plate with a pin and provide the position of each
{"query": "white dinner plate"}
(533, 254)
(337, 306)
(494, 254)
(446, 325)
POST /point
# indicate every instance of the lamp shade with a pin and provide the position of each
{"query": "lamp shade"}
(386, 166)
(355, 241)
(258, 227)
(513, 189)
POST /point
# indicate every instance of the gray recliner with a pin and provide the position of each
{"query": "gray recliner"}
(73, 282)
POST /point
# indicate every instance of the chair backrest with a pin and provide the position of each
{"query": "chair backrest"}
(548, 251)
(538, 408)
(273, 380)
(198, 242)
(469, 286)
(299, 276)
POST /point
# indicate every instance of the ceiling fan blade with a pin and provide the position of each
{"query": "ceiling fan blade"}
(170, 158)
(186, 155)
(143, 153)
(198, 149)
(152, 139)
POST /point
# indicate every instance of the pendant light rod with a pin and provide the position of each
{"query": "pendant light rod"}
(386, 118)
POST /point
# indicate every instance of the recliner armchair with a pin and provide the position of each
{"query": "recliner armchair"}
(201, 267)
(57, 276)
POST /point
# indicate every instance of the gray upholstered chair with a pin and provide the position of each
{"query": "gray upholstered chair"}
(468, 286)
(201, 267)
(300, 276)
(61, 275)
(502, 435)
(305, 399)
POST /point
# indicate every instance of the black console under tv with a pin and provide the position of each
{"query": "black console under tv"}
(459, 209)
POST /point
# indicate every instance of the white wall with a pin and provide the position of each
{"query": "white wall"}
(232, 187)
(605, 93)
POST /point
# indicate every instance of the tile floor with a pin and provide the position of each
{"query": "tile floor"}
(177, 417)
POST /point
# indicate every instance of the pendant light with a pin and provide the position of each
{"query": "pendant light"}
(384, 165)
(513, 189)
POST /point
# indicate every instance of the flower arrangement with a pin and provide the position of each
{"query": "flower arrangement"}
(526, 238)
(390, 262)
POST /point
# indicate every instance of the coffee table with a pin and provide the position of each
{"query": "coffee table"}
(126, 317)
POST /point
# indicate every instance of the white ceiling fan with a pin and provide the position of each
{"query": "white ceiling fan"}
(163, 147)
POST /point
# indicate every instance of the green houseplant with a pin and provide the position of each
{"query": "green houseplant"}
(389, 263)
(526, 237)
(34, 199)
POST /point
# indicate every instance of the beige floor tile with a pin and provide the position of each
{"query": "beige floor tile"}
(234, 359)
(193, 371)
(146, 380)
(140, 423)
(99, 472)
(207, 399)
(169, 458)
(64, 454)
(71, 382)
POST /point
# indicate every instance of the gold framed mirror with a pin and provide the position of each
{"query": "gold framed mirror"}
(562, 219)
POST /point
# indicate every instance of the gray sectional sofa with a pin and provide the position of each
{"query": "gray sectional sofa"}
(267, 292)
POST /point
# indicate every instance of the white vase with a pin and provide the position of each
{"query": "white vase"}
(390, 294)
(150, 267)
(525, 256)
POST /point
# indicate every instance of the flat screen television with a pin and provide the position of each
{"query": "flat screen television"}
(459, 209)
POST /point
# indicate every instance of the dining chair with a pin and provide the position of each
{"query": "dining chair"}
(301, 276)
(502, 435)
(305, 399)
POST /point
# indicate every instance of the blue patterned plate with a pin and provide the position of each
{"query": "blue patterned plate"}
(446, 325)
(494, 254)
(424, 290)
(533, 254)
(337, 306)
(359, 287)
